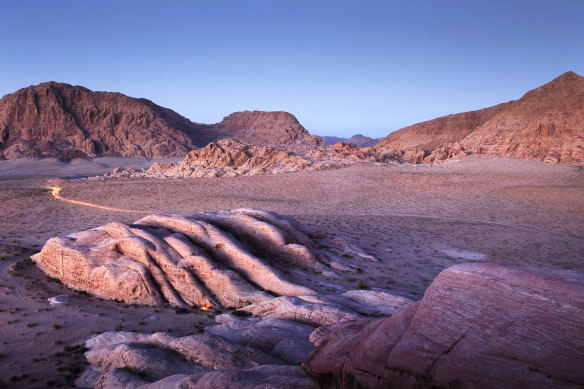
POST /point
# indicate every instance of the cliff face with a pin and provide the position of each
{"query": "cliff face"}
(64, 121)
(546, 124)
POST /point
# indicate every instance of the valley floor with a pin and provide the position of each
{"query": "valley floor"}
(418, 220)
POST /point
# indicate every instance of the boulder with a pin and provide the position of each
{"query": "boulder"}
(229, 258)
(478, 325)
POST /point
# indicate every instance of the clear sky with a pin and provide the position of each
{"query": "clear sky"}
(340, 67)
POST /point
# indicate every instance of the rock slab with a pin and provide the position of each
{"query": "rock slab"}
(478, 325)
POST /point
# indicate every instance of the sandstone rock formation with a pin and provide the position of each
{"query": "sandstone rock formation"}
(245, 353)
(204, 260)
(64, 121)
(228, 258)
(358, 140)
(233, 157)
(478, 325)
(232, 259)
(546, 124)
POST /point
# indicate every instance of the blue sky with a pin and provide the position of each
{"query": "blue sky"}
(340, 67)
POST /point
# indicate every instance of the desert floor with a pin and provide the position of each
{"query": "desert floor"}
(418, 220)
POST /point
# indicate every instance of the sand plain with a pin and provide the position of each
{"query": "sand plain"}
(416, 219)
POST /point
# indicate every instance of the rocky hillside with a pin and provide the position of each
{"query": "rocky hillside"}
(546, 124)
(262, 128)
(65, 121)
(358, 140)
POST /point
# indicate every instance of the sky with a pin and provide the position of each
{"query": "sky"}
(341, 67)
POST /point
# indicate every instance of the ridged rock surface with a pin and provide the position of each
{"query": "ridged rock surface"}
(546, 124)
(247, 353)
(203, 259)
(64, 121)
(478, 325)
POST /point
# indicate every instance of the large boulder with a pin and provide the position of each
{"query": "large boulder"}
(478, 325)
(206, 259)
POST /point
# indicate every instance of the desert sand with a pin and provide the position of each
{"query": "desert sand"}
(416, 219)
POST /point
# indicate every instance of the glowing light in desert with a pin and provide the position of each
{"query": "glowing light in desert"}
(56, 193)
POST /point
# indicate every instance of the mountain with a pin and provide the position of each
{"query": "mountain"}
(545, 124)
(358, 140)
(60, 120)
(277, 128)
(64, 121)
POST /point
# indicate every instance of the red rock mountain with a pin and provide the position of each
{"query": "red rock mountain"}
(64, 121)
(280, 129)
(547, 123)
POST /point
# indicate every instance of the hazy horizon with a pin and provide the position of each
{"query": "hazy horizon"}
(340, 67)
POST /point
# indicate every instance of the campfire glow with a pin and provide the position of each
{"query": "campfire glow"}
(204, 308)
(55, 192)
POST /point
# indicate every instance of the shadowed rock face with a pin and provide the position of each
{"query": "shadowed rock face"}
(65, 121)
(546, 124)
(237, 352)
(478, 325)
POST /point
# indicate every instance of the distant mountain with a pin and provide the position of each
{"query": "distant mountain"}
(64, 121)
(358, 140)
(546, 124)
(262, 128)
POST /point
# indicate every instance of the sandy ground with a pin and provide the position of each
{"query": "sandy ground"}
(417, 220)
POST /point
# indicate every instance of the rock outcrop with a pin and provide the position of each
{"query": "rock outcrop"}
(233, 157)
(232, 258)
(64, 121)
(206, 259)
(546, 124)
(245, 353)
(478, 325)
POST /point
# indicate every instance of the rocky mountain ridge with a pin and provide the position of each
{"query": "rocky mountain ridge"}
(358, 140)
(546, 124)
(65, 121)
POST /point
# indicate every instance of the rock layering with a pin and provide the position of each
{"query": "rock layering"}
(230, 259)
(243, 353)
(546, 124)
(478, 325)
(65, 121)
